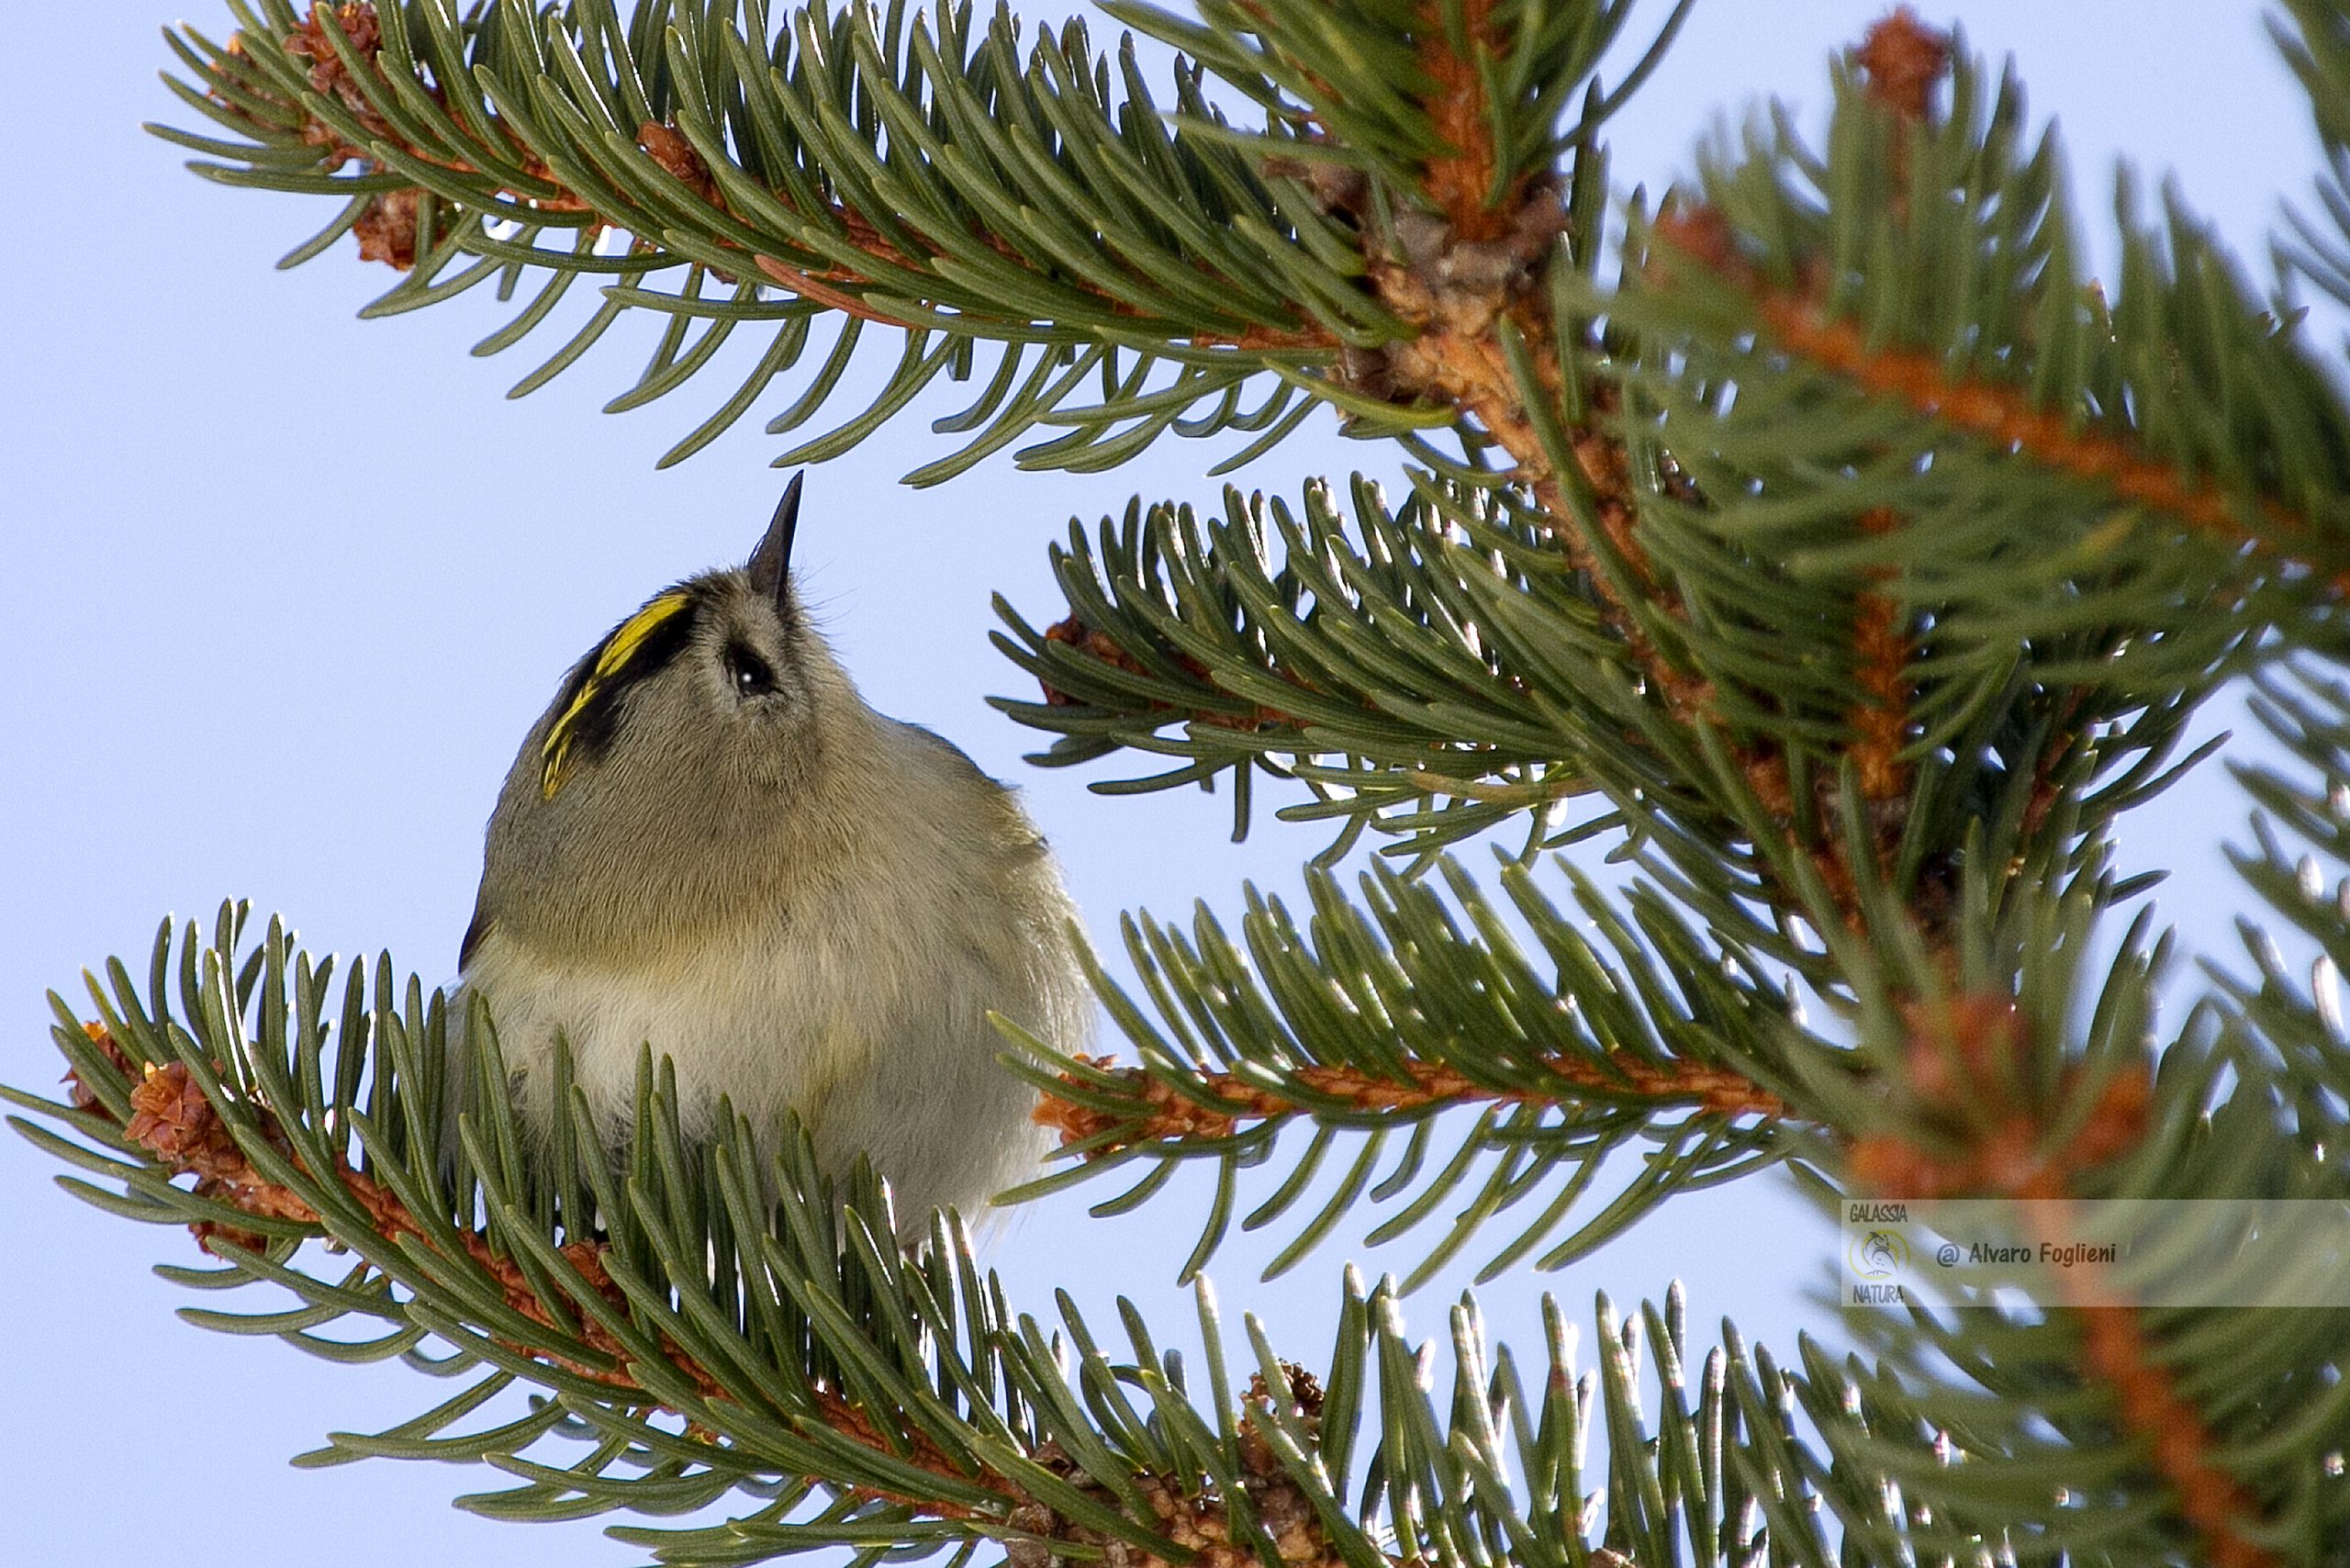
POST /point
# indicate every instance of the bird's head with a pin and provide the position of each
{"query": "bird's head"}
(715, 684)
(669, 783)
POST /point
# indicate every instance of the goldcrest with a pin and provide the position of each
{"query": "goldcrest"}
(709, 844)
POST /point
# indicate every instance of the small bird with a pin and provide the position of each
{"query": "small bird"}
(710, 844)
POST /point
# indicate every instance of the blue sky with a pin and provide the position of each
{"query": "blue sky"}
(280, 589)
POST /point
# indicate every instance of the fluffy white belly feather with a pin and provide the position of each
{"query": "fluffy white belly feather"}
(903, 1069)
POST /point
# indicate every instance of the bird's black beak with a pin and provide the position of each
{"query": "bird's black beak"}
(771, 567)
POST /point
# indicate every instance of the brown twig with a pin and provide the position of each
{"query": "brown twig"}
(173, 1120)
(1904, 61)
(1460, 179)
(2006, 417)
(2173, 1429)
(822, 293)
(1171, 1116)
(1881, 654)
(2003, 416)
(1455, 276)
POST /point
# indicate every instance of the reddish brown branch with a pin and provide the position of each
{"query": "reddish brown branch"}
(387, 230)
(173, 1120)
(1461, 180)
(1881, 654)
(1456, 278)
(809, 288)
(1173, 1116)
(2003, 416)
(1903, 62)
(1963, 1068)
(1459, 358)
(2173, 1429)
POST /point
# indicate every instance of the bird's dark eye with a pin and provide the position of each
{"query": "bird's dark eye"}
(749, 672)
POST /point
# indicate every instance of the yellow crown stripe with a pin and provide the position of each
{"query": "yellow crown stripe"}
(611, 660)
(622, 646)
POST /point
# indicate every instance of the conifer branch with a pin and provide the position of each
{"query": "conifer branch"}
(1903, 62)
(1057, 213)
(2006, 416)
(1356, 1034)
(1474, 273)
(175, 1122)
(1473, 280)
(336, 33)
(1421, 1086)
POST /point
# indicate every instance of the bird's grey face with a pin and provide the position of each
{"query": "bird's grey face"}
(706, 685)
